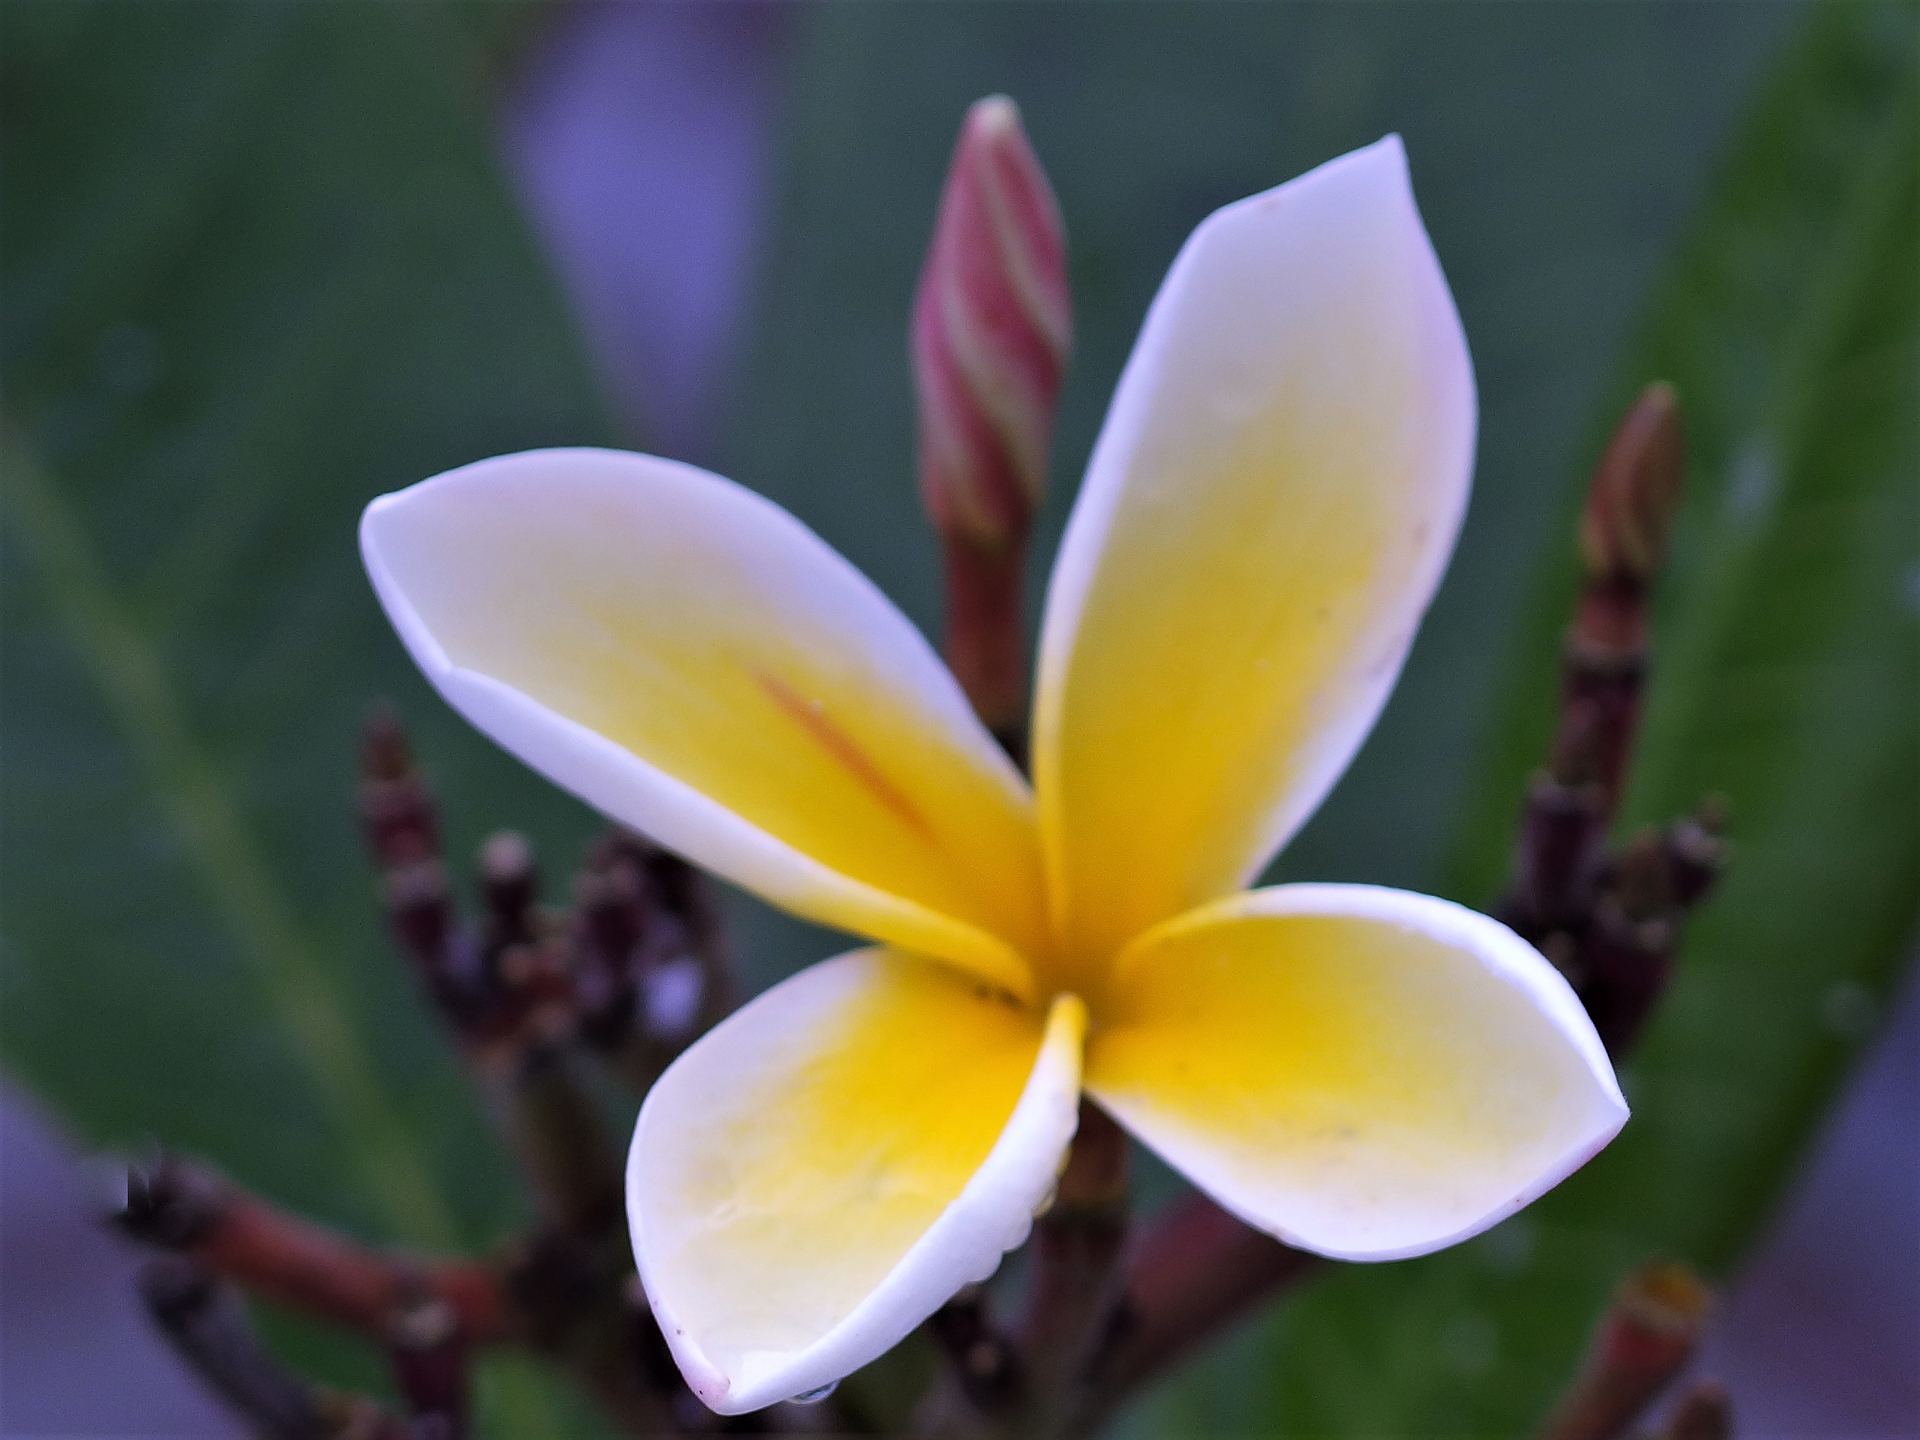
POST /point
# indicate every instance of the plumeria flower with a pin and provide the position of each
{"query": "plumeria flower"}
(1362, 1072)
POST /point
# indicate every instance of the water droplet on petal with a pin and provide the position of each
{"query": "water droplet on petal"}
(814, 1397)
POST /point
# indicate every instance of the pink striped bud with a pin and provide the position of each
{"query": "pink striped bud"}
(991, 330)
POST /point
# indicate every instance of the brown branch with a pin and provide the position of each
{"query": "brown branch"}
(429, 1354)
(1074, 1282)
(1626, 949)
(1646, 1337)
(528, 1066)
(1195, 1271)
(191, 1210)
(652, 968)
(1624, 526)
(566, 1297)
(505, 992)
(207, 1326)
(1612, 924)
(1563, 828)
(984, 1379)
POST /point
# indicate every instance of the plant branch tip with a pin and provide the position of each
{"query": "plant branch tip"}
(1648, 1334)
(386, 753)
(1635, 494)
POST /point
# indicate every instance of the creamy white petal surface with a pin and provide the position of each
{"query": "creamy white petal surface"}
(1265, 517)
(1365, 1073)
(824, 1169)
(692, 660)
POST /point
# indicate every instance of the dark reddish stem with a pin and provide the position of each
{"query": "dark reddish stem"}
(207, 1326)
(1624, 528)
(1195, 1271)
(1624, 525)
(191, 1210)
(429, 1351)
(984, 1363)
(985, 639)
(1646, 1337)
(1074, 1254)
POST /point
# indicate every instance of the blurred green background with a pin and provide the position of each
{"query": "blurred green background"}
(262, 262)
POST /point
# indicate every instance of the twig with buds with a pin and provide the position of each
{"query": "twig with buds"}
(190, 1210)
(505, 989)
(1612, 923)
(635, 975)
(532, 1070)
(650, 963)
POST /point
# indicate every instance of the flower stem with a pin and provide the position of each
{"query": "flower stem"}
(1195, 1271)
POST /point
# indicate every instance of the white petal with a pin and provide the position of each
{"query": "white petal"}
(1365, 1073)
(824, 1169)
(1270, 505)
(689, 658)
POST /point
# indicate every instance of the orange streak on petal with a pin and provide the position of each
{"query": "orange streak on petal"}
(810, 717)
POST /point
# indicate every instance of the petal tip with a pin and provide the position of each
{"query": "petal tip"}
(1389, 146)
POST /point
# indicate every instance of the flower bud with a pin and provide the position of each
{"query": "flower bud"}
(1635, 492)
(991, 332)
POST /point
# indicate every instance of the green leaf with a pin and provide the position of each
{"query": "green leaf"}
(1786, 673)
(1785, 679)
(259, 267)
